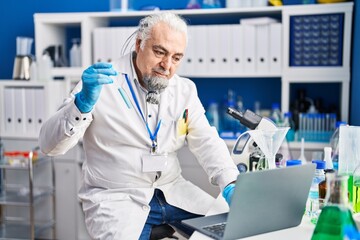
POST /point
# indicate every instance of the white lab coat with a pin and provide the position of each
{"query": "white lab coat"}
(115, 192)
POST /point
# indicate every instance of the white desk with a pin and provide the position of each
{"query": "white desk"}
(302, 232)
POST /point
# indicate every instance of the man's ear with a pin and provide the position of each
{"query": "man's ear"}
(137, 45)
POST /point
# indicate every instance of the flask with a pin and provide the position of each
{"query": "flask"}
(356, 190)
(212, 114)
(313, 200)
(335, 217)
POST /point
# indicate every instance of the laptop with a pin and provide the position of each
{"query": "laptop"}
(263, 201)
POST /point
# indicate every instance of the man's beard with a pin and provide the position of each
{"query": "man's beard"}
(154, 85)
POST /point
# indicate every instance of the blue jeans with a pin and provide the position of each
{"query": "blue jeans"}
(163, 213)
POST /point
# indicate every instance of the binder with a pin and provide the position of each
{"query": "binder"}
(224, 48)
(262, 47)
(19, 111)
(200, 49)
(213, 46)
(188, 62)
(237, 57)
(116, 42)
(29, 111)
(8, 110)
(99, 39)
(39, 94)
(275, 33)
(249, 46)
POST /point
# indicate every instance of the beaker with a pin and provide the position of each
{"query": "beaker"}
(336, 216)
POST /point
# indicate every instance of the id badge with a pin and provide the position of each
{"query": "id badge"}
(154, 162)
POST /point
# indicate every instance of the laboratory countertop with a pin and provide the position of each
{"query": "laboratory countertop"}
(302, 232)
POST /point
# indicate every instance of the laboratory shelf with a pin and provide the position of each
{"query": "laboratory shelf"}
(27, 188)
(14, 231)
(16, 198)
(24, 165)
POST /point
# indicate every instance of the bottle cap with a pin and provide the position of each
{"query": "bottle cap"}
(340, 123)
(293, 162)
(320, 164)
(275, 106)
(329, 171)
(288, 114)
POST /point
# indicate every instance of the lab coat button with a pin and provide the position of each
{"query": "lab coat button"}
(145, 208)
(155, 185)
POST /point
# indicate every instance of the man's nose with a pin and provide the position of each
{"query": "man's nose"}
(166, 63)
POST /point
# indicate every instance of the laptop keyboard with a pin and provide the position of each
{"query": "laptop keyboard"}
(217, 229)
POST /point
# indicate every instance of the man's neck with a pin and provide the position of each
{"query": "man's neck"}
(138, 73)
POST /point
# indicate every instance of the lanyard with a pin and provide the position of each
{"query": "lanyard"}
(153, 136)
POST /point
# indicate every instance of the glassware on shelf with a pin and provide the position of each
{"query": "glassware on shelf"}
(193, 4)
(75, 53)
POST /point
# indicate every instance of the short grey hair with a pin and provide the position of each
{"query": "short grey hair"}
(146, 24)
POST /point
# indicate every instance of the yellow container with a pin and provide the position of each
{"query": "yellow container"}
(330, 1)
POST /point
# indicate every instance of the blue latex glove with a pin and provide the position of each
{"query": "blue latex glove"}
(92, 79)
(228, 192)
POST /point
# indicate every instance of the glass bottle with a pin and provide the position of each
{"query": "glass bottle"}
(322, 188)
(313, 208)
(275, 115)
(336, 216)
(288, 122)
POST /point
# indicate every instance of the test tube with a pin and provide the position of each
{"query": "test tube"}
(301, 125)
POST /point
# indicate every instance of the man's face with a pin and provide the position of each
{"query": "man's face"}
(161, 55)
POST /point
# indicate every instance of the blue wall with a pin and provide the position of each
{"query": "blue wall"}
(355, 81)
(16, 17)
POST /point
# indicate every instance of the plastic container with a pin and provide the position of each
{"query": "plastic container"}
(75, 53)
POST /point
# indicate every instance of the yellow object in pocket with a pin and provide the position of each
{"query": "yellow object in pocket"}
(181, 127)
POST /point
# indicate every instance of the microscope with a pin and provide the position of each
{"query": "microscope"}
(245, 153)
